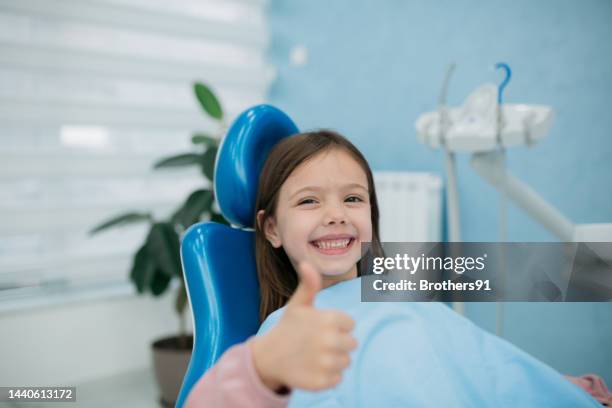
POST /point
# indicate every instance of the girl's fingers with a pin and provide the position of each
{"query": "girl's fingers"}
(346, 323)
(343, 361)
(340, 320)
(335, 380)
(346, 343)
(308, 287)
(334, 363)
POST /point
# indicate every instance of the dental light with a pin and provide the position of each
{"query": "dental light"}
(485, 127)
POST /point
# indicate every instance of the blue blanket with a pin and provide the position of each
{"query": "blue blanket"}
(426, 355)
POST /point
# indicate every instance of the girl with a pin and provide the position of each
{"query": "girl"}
(316, 205)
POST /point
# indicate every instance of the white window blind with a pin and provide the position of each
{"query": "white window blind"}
(92, 92)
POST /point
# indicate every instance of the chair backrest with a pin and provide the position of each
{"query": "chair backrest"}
(219, 261)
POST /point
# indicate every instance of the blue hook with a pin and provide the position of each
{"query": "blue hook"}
(502, 86)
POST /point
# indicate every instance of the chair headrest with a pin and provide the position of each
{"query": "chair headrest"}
(240, 159)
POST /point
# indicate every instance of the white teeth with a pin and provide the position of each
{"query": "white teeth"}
(339, 243)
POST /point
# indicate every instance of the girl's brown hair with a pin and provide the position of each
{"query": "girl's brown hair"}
(277, 277)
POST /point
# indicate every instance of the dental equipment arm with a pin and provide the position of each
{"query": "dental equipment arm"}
(490, 168)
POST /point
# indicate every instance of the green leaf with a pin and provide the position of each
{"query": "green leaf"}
(120, 220)
(181, 300)
(205, 139)
(160, 282)
(164, 248)
(198, 202)
(185, 159)
(208, 163)
(216, 217)
(208, 100)
(142, 269)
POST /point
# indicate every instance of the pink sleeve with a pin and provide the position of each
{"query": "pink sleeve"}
(233, 382)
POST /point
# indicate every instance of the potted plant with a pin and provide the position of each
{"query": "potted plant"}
(157, 263)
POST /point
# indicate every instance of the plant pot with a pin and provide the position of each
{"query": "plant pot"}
(170, 360)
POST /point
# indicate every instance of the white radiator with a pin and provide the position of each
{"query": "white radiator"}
(410, 206)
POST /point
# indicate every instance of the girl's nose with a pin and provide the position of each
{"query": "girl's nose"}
(335, 215)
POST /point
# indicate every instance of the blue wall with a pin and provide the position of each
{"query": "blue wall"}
(374, 66)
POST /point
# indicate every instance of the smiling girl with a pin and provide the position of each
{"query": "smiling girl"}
(316, 207)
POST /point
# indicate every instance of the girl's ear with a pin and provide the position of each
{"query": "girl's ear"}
(269, 229)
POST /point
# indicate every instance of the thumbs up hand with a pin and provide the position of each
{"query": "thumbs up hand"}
(308, 348)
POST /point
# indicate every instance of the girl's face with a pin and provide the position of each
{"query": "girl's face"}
(323, 215)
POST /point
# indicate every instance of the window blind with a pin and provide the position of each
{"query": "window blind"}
(91, 94)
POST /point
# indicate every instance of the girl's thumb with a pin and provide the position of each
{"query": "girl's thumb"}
(309, 286)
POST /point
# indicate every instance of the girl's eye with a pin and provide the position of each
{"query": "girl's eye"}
(354, 199)
(307, 201)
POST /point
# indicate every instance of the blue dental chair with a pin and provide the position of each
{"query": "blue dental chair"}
(219, 261)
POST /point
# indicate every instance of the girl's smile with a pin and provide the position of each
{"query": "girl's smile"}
(334, 244)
